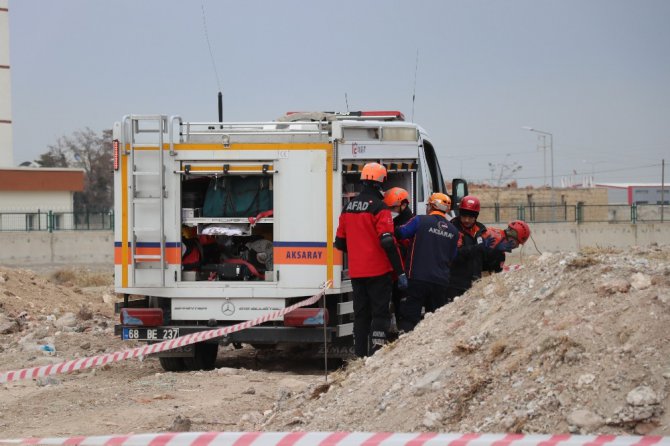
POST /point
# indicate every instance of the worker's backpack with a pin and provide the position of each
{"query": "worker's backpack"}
(238, 196)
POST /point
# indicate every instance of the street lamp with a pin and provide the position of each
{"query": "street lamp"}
(551, 149)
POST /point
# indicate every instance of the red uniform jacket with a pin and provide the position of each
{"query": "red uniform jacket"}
(362, 223)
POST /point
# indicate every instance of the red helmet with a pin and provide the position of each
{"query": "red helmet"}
(373, 172)
(520, 229)
(469, 203)
(440, 202)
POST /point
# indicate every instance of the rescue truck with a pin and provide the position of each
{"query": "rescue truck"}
(218, 223)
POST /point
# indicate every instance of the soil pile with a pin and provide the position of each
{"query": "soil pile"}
(571, 342)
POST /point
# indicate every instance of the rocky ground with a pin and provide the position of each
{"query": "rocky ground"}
(572, 342)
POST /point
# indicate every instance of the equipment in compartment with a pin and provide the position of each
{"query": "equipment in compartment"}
(238, 196)
(224, 257)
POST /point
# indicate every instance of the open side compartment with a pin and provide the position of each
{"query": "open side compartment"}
(401, 173)
(227, 225)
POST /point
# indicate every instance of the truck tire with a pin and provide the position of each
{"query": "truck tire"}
(204, 357)
(172, 364)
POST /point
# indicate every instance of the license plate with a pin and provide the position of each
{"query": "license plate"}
(149, 334)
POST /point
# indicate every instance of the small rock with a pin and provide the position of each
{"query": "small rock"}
(585, 380)
(249, 391)
(642, 396)
(85, 346)
(85, 314)
(430, 419)
(180, 424)
(613, 286)
(8, 326)
(47, 381)
(585, 419)
(645, 428)
(67, 320)
(425, 383)
(640, 281)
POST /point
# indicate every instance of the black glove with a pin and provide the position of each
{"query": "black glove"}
(402, 282)
(504, 245)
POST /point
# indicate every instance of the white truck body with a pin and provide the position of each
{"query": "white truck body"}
(307, 169)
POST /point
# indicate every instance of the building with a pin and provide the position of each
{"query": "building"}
(38, 198)
(636, 193)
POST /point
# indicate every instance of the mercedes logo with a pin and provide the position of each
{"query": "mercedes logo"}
(228, 308)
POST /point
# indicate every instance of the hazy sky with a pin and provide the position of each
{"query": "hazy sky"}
(594, 73)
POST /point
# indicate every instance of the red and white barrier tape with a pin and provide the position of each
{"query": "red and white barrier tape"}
(508, 268)
(96, 361)
(344, 439)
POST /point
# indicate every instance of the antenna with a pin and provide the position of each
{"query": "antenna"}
(211, 56)
(346, 101)
(416, 69)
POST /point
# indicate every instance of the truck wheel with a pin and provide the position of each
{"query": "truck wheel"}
(172, 364)
(204, 357)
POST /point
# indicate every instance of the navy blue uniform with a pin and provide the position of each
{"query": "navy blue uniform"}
(471, 252)
(429, 257)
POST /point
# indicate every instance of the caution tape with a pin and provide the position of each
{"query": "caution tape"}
(508, 268)
(100, 360)
(345, 439)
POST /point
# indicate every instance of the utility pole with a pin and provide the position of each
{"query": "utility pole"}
(662, 187)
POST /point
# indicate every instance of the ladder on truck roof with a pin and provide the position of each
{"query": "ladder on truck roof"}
(146, 190)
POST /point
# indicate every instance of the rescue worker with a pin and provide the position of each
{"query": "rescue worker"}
(397, 200)
(365, 232)
(472, 246)
(504, 240)
(433, 248)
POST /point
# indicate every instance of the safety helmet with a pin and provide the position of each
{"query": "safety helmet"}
(373, 172)
(395, 196)
(469, 203)
(519, 229)
(440, 202)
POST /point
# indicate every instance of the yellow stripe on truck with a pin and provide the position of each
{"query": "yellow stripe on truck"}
(329, 212)
(241, 146)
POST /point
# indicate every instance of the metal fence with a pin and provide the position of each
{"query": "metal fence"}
(56, 221)
(580, 213)
(97, 221)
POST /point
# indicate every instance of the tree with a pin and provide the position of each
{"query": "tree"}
(502, 173)
(93, 153)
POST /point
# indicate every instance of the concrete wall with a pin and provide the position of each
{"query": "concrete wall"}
(539, 196)
(573, 237)
(95, 248)
(26, 249)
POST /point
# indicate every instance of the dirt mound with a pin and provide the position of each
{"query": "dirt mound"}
(35, 310)
(571, 342)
